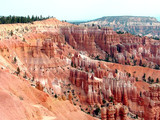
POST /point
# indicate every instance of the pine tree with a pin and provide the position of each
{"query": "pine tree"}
(157, 80)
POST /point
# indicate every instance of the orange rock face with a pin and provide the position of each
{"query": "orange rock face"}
(109, 46)
(118, 86)
(54, 63)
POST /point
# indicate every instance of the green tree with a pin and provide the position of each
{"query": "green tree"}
(118, 49)
(25, 76)
(32, 18)
(116, 71)
(99, 27)
(28, 19)
(18, 71)
(41, 18)
(140, 63)
(149, 79)
(129, 74)
(157, 80)
(15, 59)
(11, 33)
(152, 80)
(144, 76)
(134, 61)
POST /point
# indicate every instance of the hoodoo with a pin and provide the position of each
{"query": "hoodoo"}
(57, 70)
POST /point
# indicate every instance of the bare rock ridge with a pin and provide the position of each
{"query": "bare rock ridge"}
(138, 25)
(56, 70)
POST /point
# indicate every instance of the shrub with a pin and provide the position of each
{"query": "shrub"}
(107, 58)
(144, 80)
(55, 96)
(24, 40)
(156, 67)
(144, 65)
(97, 110)
(97, 57)
(111, 99)
(82, 110)
(104, 101)
(20, 97)
(156, 38)
(152, 80)
(72, 64)
(25, 76)
(15, 59)
(120, 32)
(11, 33)
(32, 79)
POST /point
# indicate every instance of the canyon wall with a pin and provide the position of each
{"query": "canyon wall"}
(101, 85)
(105, 44)
(68, 62)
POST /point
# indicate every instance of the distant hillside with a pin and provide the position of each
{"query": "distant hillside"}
(20, 19)
(138, 25)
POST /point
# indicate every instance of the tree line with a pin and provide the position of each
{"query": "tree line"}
(20, 19)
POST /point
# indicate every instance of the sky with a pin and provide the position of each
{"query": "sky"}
(80, 9)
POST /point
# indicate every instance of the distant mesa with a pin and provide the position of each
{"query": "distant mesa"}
(137, 25)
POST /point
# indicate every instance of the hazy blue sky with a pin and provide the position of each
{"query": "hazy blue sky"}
(80, 9)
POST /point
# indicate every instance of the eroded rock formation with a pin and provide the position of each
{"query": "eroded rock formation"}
(95, 81)
(64, 63)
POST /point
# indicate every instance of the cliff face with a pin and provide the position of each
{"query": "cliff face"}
(51, 63)
(108, 45)
(137, 25)
(33, 70)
